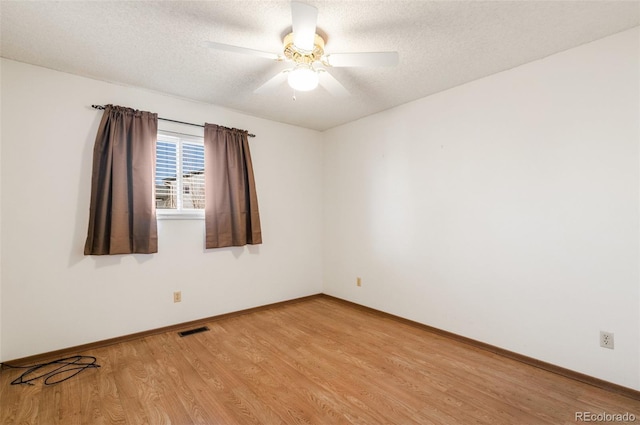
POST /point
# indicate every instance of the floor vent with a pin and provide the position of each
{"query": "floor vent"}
(193, 331)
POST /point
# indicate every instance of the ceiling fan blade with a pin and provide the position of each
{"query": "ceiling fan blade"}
(273, 82)
(332, 85)
(304, 18)
(363, 59)
(243, 50)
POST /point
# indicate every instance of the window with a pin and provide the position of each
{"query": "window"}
(179, 176)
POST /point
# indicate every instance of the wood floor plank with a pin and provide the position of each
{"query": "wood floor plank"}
(195, 383)
(318, 361)
(18, 404)
(126, 370)
(108, 400)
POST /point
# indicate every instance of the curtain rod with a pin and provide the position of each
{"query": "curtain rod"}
(101, 107)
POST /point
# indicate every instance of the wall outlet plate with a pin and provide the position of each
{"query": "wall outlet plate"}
(177, 296)
(606, 340)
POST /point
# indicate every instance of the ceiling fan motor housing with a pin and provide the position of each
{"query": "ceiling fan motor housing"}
(300, 56)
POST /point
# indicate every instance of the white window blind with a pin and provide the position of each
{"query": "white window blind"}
(179, 176)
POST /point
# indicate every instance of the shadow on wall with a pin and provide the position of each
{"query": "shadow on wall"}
(237, 251)
(81, 218)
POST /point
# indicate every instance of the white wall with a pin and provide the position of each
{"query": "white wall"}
(505, 210)
(54, 297)
(0, 220)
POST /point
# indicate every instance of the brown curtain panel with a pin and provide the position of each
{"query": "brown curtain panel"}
(231, 204)
(122, 215)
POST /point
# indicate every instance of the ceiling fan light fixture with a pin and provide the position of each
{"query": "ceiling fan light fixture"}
(303, 78)
(304, 49)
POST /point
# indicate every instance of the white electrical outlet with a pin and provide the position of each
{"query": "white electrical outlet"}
(606, 340)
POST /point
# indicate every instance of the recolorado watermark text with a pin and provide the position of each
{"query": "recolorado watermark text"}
(605, 417)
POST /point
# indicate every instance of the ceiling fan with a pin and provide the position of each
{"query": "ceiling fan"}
(305, 49)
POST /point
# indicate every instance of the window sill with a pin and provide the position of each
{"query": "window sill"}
(179, 215)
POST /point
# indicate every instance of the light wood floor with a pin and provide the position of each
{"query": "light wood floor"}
(319, 361)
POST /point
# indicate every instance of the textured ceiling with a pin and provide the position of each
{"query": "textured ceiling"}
(159, 46)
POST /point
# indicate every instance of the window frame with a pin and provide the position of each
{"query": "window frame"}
(178, 214)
